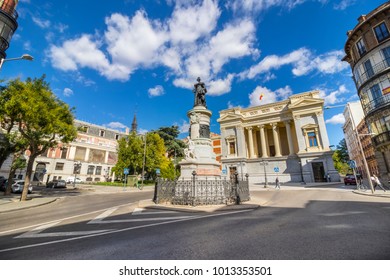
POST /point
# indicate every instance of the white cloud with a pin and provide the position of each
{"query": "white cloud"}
(184, 127)
(303, 62)
(67, 92)
(156, 91)
(220, 86)
(336, 119)
(190, 23)
(115, 125)
(42, 23)
(333, 97)
(268, 96)
(344, 4)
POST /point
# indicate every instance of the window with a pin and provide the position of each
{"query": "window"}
(116, 136)
(90, 170)
(64, 152)
(98, 170)
(368, 67)
(59, 166)
(232, 148)
(312, 139)
(375, 93)
(386, 55)
(381, 32)
(361, 47)
(101, 133)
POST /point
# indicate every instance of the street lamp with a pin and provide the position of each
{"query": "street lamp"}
(143, 162)
(301, 167)
(361, 151)
(23, 57)
(264, 163)
(76, 170)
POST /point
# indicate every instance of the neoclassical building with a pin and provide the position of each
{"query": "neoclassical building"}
(286, 139)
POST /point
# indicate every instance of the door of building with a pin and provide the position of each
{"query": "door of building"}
(318, 171)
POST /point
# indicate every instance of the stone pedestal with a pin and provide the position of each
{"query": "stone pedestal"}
(200, 156)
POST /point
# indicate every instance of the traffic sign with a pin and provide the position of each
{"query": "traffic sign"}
(276, 169)
(352, 164)
(126, 171)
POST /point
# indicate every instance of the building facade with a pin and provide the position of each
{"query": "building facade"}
(367, 51)
(89, 157)
(286, 139)
(8, 24)
(354, 127)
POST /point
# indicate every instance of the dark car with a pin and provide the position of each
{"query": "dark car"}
(56, 184)
(349, 179)
(3, 183)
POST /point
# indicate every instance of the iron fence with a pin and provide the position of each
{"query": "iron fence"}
(202, 191)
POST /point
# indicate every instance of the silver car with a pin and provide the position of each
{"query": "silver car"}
(17, 187)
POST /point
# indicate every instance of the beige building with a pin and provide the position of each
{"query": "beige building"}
(94, 151)
(367, 50)
(286, 139)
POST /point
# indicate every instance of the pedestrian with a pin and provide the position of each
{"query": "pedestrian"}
(277, 184)
(377, 182)
(328, 177)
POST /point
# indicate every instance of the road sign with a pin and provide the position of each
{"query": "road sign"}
(352, 164)
(158, 171)
(276, 169)
(126, 171)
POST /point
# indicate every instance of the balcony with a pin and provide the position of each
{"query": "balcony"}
(10, 11)
(376, 69)
(376, 104)
(382, 139)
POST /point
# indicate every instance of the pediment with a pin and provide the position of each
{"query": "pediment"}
(229, 117)
(310, 126)
(304, 102)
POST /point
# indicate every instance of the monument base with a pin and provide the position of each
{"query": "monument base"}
(203, 170)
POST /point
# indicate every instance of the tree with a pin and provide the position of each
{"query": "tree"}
(341, 158)
(130, 153)
(343, 151)
(174, 146)
(40, 117)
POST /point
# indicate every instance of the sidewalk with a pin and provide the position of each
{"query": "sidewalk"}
(43, 196)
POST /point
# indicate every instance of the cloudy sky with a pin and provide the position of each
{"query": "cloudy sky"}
(112, 59)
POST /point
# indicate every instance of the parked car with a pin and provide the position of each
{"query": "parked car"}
(70, 180)
(349, 179)
(56, 184)
(3, 184)
(17, 187)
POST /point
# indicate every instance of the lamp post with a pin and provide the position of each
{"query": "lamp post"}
(361, 150)
(23, 57)
(77, 165)
(264, 163)
(143, 163)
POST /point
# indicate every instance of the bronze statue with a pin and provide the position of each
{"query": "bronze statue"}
(200, 93)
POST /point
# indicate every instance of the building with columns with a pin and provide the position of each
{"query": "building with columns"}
(286, 139)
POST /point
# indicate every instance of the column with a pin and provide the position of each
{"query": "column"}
(240, 142)
(300, 136)
(86, 158)
(318, 139)
(264, 153)
(224, 145)
(250, 144)
(289, 138)
(275, 132)
(323, 132)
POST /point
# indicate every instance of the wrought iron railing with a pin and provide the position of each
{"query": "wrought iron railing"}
(376, 69)
(375, 104)
(381, 139)
(202, 192)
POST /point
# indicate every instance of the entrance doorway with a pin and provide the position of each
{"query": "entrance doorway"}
(318, 171)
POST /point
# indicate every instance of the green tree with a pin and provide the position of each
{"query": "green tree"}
(341, 157)
(174, 146)
(130, 154)
(40, 117)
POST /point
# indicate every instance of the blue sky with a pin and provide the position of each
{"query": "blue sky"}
(111, 59)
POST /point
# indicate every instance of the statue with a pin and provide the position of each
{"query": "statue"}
(200, 93)
(189, 152)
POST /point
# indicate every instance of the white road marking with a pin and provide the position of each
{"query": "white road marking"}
(37, 232)
(141, 211)
(343, 213)
(60, 220)
(120, 230)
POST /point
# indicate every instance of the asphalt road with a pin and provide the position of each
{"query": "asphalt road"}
(300, 224)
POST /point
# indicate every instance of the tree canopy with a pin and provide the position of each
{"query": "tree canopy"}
(40, 117)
